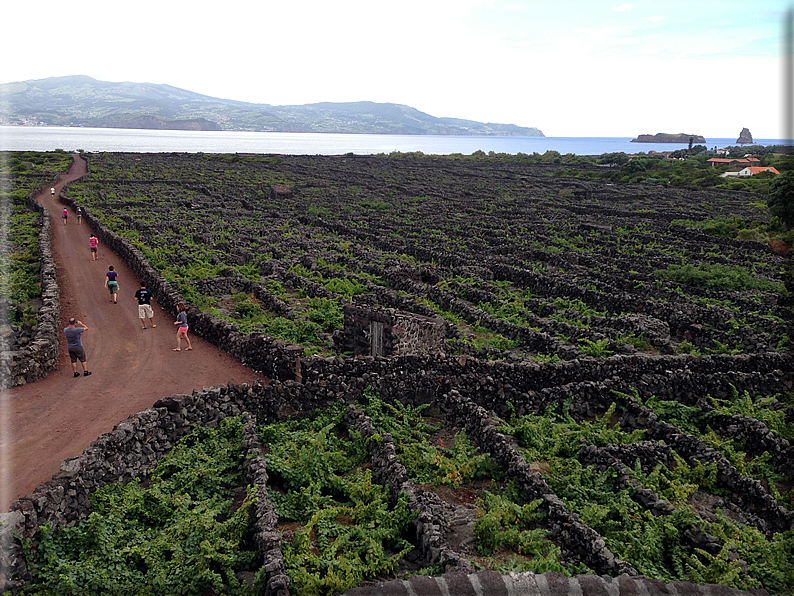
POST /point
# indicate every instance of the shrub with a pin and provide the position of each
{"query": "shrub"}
(781, 198)
(179, 535)
(718, 277)
(328, 314)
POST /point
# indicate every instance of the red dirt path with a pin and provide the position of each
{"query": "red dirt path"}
(55, 418)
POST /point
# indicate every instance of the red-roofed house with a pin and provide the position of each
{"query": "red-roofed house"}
(753, 170)
(721, 161)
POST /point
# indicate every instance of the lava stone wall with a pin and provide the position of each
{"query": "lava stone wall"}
(36, 359)
(220, 286)
(357, 336)
(417, 335)
(430, 522)
(403, 333)
(135, 446)
(666, 376)
(422, 378)
(130, 450)
(266, 537)
(275, 358)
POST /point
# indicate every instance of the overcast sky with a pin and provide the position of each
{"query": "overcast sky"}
(569, 67)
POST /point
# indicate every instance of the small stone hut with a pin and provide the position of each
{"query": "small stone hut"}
(372, 331)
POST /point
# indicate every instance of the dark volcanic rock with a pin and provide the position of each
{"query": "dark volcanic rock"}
(745, 138)
(663, 137)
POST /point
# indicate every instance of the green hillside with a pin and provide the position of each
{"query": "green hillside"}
(84, 101)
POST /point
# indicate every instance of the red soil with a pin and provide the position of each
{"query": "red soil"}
(55, 418)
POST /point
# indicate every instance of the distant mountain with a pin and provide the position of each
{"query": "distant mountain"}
(84, 101)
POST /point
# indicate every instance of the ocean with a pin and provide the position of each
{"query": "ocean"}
(46, 138)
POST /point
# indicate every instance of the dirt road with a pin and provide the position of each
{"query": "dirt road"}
(57, 417)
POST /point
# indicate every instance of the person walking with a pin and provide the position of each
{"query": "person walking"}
(74, 342)
(79, 216)
(181, 330)
(144, 297)
(65, 215)
(93, 242)
(112, 285)
(52, 192)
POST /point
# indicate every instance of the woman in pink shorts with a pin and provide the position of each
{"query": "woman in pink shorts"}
(93, 242)
(181, 330)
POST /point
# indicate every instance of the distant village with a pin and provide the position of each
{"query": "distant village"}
(741, 167)
(749, 166)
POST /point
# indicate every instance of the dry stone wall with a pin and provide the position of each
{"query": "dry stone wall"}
(431, 521)
(400, 332)
(454, 231)
(133, 448)
(130, 450)
(468, 388)
(579, 542)
(278, 359)
(265, 519)
(35, 360)
(750, 494)
(274, 358)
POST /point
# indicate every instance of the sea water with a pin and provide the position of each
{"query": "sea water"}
(50, 138)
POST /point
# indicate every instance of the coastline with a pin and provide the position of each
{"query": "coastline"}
(51, 138)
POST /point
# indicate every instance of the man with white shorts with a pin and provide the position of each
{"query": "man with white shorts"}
(144, 297)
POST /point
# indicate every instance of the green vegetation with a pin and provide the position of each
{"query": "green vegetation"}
(694, 421)
(426, 462)
(19, 275)
(736, 227)
(178, 535)
(20, 174)
(596, 348)
(347, 529)
(317, 315)
(389, 232)
(504, 525)
(781, 198)
(181, 532)
(653, 545)
(718, 277)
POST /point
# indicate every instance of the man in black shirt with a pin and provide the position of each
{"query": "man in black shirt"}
(144, 297)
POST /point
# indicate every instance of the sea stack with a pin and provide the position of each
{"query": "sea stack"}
(745, 138)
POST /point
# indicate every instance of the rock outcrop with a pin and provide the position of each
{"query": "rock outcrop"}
(745, 138)
(663, 137)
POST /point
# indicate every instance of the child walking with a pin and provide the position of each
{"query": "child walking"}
(181, 330)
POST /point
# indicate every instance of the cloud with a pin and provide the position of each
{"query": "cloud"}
(623, 7)
(654, 19)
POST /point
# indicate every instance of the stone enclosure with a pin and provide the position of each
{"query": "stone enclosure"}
(474, 288)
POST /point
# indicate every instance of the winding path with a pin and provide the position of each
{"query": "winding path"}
(57, 417)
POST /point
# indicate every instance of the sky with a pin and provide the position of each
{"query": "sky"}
(568, 67)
